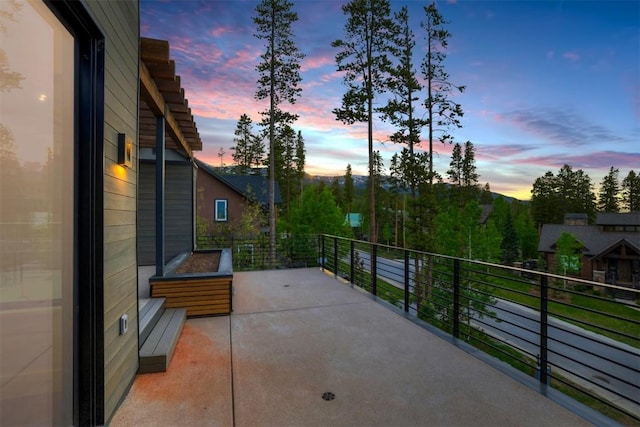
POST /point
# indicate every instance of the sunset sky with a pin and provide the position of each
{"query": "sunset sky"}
(548, 83)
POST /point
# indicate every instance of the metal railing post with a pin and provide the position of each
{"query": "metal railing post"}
(335, 257)
(374, 269)
(456, 298)
(406, 281)
(322, 254)
(352, 272)
(544, 291)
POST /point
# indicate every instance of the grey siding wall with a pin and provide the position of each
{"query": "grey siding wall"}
(119, 21)
(178, 211)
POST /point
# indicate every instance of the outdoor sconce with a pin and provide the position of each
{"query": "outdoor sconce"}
(125, 150)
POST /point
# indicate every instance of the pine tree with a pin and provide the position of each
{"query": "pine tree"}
(363, 57)
(401, 109)
(470, 175)
(608, 197)
(569, 191)
(509, 247)
(631, 192)
(455, 176)
(348, 189)
(279, 79)
(442, 112)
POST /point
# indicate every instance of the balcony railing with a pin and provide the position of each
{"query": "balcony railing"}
(567, 332)
(252, 252)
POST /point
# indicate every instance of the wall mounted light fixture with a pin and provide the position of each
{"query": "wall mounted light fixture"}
(125, 150)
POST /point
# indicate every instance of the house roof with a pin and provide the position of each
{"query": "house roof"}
(252, 187)
(353, 219)
(627, 218)
(592, 237)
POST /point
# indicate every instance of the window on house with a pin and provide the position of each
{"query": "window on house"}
(221, 210)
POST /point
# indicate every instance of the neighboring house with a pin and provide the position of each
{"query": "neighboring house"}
(610, 248)
(223, 198)
(353, 220)
(68, 240)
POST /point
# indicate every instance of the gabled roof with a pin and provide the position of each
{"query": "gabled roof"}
(634, 246)
(593, 238)
(251, 187)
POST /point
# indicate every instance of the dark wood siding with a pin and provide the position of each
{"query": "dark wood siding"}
(178, 211)
(119, 22)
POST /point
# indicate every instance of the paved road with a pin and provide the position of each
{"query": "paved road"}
(612, 365)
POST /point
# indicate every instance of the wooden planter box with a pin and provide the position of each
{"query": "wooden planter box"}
(202, 294)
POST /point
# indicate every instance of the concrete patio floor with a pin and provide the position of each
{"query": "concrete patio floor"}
(295, 335)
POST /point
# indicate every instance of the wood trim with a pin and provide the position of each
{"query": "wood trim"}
(201, 296)
(155, 101)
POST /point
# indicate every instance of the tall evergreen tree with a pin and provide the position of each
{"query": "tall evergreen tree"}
(486, 198)
(509, 247)
(631, 192)
(401, 109)
(249, 149)
(348, 189)
(363, 57)
(608, 197)
(301, 159)
(455, 175)
(279, 79)
(569, 191)
(442, 113)
(470, 174)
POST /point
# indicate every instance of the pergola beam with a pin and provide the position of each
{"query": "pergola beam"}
(156, 103)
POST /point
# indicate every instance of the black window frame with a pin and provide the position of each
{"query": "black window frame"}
(88, 304)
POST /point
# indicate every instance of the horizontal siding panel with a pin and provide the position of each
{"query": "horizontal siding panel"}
(119, 286)
(115, 248)
(119, 374)
(119, 202)
(116, 233)
(119, 217)
(112, 338)
(119, 186)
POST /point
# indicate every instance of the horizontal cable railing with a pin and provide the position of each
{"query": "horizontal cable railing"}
(569, 333)
(253, 252)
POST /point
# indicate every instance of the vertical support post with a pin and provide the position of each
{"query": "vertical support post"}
(352, 276)
(335, 257)
(456, 298)
(374, 269)
(322, 254)
(406, 281)
(544, 313)
(160, 174)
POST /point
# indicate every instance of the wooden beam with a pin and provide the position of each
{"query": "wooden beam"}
(153, 50)
(154, 100)
(162, 70)
(149, 91)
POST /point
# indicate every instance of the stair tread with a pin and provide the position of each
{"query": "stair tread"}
(157, 350)
(149, 315)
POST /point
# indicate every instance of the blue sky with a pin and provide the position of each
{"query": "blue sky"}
(548, 83)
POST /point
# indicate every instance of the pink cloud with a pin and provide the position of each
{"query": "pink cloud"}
(220, 31)
(571, 56)
(310, 63)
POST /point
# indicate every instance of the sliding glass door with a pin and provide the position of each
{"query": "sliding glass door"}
(37, 196)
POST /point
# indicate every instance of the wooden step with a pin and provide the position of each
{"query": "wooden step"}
(157, 350)
(149, 315)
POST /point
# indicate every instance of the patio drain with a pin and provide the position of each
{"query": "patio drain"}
(328, 396)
